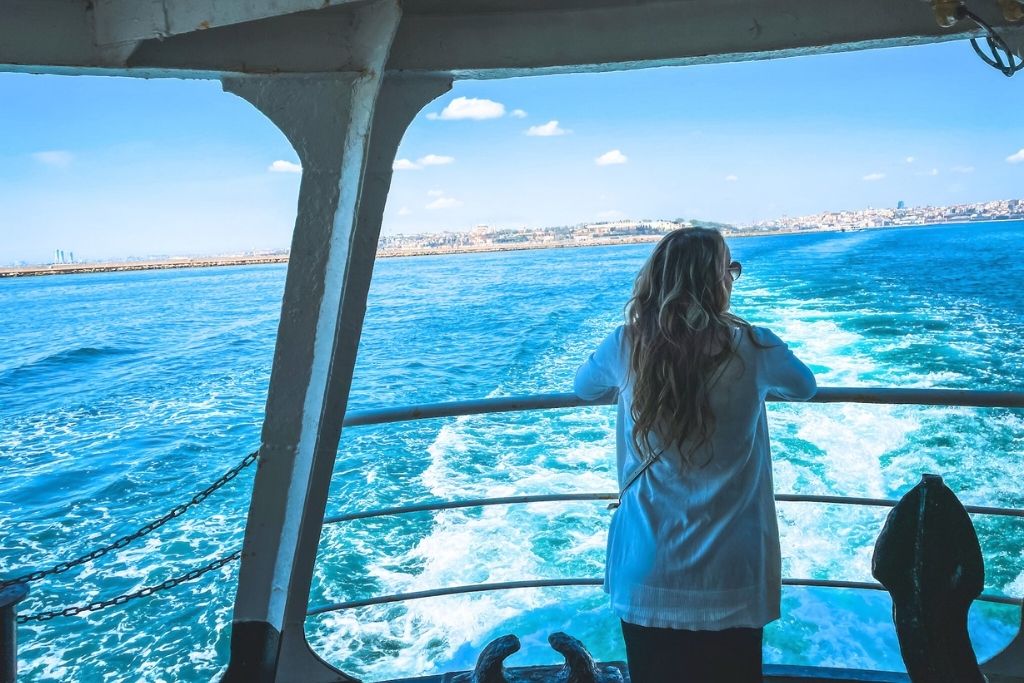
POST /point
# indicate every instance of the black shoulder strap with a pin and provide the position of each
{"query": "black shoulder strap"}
(633, 476)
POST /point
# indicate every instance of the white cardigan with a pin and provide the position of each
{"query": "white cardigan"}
(698, 549)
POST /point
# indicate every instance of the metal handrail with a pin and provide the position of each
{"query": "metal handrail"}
(554, 583)
(469, 503)
(509, 404)
(888, 396)
(560, 497)
(452, 590)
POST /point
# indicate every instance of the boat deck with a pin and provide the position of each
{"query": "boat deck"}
(773, 674)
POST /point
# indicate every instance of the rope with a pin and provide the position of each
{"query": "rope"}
(121, 599)
(125, 540)
(1000, 56)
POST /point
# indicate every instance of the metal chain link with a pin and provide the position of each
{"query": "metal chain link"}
(121, 599)
(152, 526)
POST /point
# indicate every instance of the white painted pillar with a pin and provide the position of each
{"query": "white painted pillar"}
(399, 101)
(328, 118)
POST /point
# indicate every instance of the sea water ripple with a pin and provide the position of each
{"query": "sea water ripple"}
(122, 394)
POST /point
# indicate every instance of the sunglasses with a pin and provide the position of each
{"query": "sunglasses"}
(735, 270)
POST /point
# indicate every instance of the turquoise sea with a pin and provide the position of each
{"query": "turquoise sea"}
(122, 394)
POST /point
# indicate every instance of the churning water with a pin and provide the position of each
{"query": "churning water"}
(122, 394)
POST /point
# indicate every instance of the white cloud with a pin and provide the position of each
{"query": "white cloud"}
(1016, 158)
(873, 176)
(517, 114)
(443, 203)
(470, 108)
(909, 160)
(428, 160)
(435, 193)
(549, 129)
(611, 157)
(930, 172)
(404, 165)
(58, 158)
(732, 178)
(435, 160)
(405, 211)
(282, 166)
(962, 169)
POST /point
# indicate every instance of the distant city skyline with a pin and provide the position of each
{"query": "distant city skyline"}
(617, 231)
(179, 167)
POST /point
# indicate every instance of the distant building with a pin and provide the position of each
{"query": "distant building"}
(900, 205)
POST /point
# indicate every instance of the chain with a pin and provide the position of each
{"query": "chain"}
(121, 599)
(152, 526)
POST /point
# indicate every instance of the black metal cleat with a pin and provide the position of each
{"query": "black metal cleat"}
(928, 558)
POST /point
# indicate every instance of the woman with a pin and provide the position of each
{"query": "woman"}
(693, 566)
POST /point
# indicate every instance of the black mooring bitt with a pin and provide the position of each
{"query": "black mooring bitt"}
(579, 666)
(490, 665)
(9, 599)
(928, 558)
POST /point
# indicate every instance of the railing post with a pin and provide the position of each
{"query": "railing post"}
(9, 599)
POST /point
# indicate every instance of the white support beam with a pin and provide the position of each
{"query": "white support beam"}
(471, 39)
(328, 118)
(399, 101)
(310, 42)
(46, 32)
(120, 21)
(464, 38)
(472, 43)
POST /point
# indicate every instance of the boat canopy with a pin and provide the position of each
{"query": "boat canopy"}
(461, 38)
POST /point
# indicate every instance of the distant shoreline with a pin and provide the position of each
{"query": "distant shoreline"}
(221, 261)
(156, 264)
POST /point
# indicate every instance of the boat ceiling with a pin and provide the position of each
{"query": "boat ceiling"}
(463, 38)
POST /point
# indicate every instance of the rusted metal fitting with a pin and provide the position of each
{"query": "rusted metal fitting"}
(1013, 10)
(945, 12)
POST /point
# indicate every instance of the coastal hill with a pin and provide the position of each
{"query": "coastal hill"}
(484, 238)
(627, 231)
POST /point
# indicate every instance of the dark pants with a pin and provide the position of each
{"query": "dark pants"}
(666, 655)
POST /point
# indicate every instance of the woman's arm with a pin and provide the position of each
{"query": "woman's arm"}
(784, 375)
(600, 373)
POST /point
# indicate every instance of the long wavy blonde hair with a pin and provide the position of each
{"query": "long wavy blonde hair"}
(680, 333)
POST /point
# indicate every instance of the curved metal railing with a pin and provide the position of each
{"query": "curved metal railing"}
(561, 497)
(926, 397)
(577, 581)
(510, 404)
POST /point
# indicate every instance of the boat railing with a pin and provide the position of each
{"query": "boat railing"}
(868, 395)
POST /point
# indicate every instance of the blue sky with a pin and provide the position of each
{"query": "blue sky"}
(115, 167)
